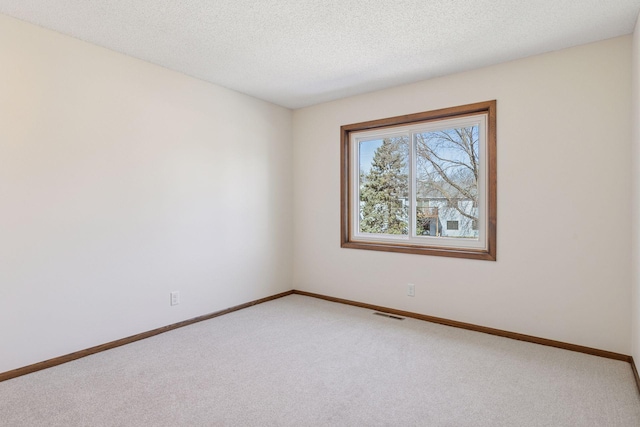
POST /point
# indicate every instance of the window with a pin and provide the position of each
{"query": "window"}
(423, 183)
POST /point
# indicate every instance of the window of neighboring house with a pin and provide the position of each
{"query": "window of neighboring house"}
(403, 177)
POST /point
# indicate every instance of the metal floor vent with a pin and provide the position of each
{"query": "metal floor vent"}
(391, 316)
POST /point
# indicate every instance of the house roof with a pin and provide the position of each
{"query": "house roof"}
(297, 53)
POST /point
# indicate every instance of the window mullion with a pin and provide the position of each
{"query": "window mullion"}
(412, 187)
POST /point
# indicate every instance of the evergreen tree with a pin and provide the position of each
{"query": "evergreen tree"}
(384, 190)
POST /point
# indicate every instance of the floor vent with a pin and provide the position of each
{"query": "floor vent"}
(391, 316)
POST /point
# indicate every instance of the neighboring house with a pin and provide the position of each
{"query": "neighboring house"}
(439, 216)
(444, 211)
(442, 217)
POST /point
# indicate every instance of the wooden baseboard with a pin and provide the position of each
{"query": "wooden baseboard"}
(117, 343)
(477, 328)
(635, 372)
(492, 331)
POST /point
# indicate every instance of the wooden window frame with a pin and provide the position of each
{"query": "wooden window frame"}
(346, 193)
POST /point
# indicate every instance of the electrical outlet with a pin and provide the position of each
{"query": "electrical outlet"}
(175, 298)
(411, 290)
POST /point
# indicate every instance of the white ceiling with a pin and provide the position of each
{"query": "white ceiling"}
(297, 53)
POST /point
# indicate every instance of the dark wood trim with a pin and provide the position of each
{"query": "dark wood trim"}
(476, 328)
(432, 115)
(492, 178)
(345, 186)
(422, 250)
(346, 232)
(117, 343)
(635, 372)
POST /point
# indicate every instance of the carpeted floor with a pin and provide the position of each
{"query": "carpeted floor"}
(300, 361)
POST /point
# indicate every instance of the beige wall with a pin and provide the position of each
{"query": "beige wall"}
(635, 197)
(563, 269)
(121, 181)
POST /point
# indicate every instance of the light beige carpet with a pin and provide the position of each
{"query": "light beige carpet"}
(300, 361)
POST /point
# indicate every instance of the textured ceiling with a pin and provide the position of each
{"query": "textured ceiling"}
(297, 53)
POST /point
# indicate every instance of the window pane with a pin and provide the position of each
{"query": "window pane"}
(384, 185)
(447, 170)
(422, 183)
